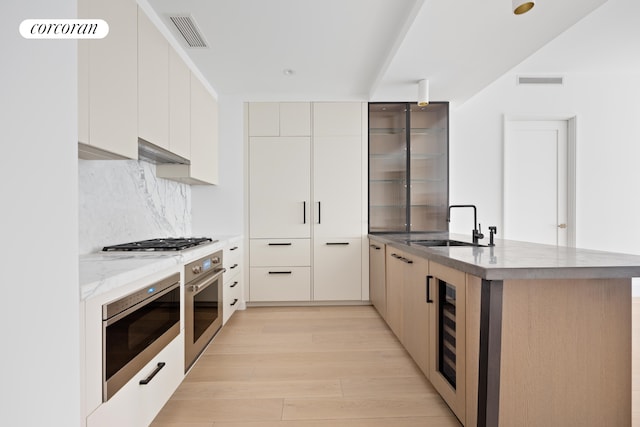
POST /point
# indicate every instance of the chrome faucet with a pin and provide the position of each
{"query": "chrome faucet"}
(476, 234)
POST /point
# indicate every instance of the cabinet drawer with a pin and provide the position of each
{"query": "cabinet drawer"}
(136, 405)
(280, 252)
(232, 296)
(280, 284)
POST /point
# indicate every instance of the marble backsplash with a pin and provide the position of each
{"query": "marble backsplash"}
(123, 201)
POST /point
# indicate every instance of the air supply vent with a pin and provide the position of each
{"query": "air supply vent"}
(540, 80)
(186, 25)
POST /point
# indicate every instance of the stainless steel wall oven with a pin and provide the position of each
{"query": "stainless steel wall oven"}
(135, 328)
(202, 305)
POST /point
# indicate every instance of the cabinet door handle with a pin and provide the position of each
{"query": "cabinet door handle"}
(280, 272)
(319, 212)
(396, 256)
(408, 261)
(153, 374)
(429, 300)
(233, 266)
(235, 300)
(233, 248)
(377, 248)
(233, 285)
(304, 212)
(279, 244)
(337, 243)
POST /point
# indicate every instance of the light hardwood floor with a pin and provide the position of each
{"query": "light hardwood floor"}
(306, 367)
(317, 367)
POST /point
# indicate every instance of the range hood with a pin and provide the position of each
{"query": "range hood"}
(158, 155)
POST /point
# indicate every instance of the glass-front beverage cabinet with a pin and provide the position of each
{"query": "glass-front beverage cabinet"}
(408, 167)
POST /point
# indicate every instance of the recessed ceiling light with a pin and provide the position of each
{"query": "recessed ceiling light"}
(288, 72)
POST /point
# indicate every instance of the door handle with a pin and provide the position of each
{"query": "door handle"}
(304, 212)
(429, 300)
(319, 212)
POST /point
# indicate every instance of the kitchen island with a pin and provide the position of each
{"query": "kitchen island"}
(541, 334)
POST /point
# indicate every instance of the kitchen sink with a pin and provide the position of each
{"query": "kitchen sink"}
(443, 242)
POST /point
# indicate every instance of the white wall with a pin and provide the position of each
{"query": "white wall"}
(218, 210)
(600, 61)
(39, 369)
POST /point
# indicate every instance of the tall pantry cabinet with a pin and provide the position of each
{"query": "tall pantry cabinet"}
(306, 219)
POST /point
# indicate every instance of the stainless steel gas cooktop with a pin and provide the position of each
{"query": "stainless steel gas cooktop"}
(167, 244)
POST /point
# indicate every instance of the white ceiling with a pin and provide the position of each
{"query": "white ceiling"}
(365, 49)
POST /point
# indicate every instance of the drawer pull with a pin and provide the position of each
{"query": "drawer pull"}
(337, 243)
(377, 248)
(279, 244)
(233, 266)
(280, 272)
(233, 248)
(235, 300)
(233, 285)
(153, 374)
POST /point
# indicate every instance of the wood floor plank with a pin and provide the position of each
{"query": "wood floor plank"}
(210, 410)
(361, 422)
(309, 409)
(257, 389)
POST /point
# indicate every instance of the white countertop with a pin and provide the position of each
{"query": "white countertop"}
(103, 271)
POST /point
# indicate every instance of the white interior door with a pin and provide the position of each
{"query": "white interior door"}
(536, 181)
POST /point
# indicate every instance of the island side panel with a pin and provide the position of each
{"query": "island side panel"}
(566, 353)
(474, 285)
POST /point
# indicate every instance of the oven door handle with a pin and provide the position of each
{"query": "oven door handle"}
(114, 319)
(207, 282)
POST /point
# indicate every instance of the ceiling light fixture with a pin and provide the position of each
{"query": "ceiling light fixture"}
(288, 72)
(423, 92)
(521, 6)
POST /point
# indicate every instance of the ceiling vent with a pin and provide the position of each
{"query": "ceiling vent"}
(540, 80)
(186, 25)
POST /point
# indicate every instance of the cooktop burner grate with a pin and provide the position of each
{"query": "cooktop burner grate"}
(168, 244)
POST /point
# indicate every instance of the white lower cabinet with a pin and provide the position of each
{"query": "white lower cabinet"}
(136, 405)
(232, 294)
(276, 284)
(337, 270)
(280, 252)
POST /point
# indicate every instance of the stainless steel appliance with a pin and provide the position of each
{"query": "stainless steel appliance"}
(135, 328)
(165, 244)
(202, 304)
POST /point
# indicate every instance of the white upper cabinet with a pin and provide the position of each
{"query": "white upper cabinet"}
(295, 119)
(337, 119)
(279, 119)
(204, 134)
(203, 125)
(108, 82)
(179, 106)
(153, 83)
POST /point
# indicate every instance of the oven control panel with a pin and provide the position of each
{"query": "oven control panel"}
(206, 265)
